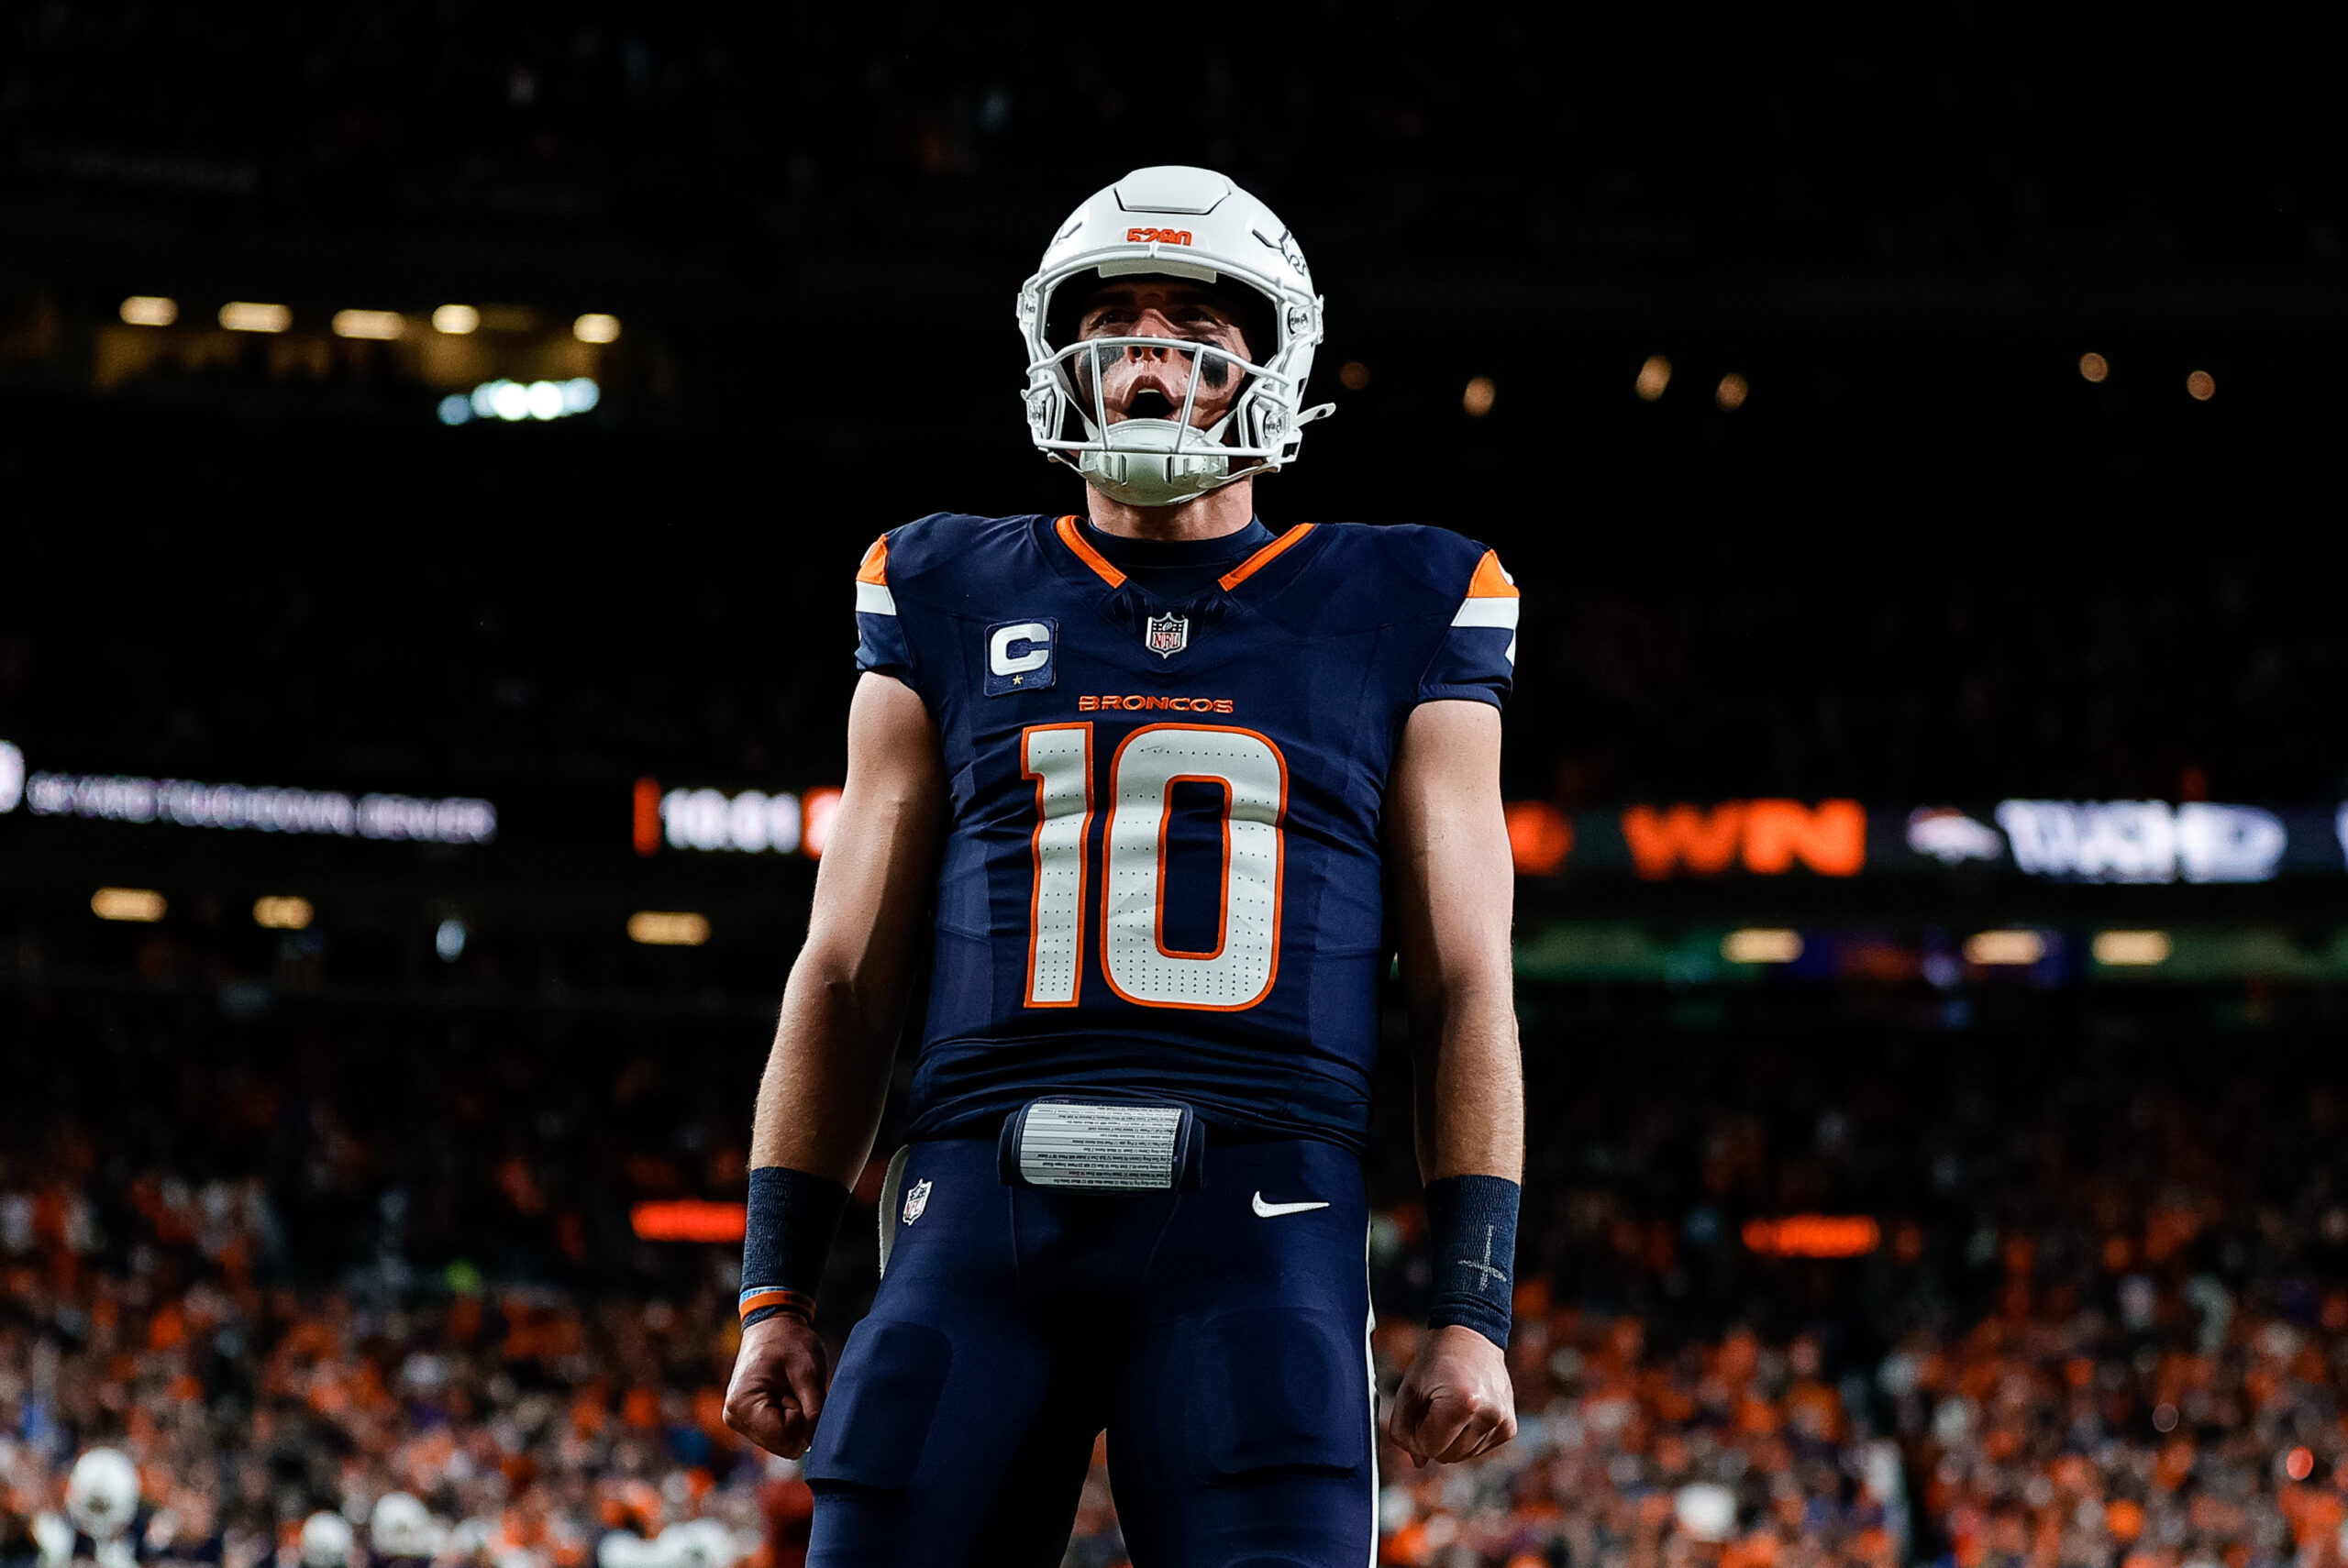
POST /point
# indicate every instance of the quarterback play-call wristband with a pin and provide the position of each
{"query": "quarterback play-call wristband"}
(786, 1238)
(1471, 1230)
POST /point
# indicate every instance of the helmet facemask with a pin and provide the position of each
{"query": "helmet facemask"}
(1154, 421)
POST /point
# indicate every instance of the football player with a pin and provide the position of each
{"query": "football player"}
(1172, 789)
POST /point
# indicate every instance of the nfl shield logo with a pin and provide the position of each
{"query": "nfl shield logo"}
(1168, 635)
(916, 1200)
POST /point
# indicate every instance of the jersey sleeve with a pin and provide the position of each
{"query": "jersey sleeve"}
(881, 643)
(1477, 658)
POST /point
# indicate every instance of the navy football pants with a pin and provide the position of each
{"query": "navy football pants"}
(1224, 1351)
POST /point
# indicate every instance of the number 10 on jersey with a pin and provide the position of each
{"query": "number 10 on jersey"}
(1248, 769)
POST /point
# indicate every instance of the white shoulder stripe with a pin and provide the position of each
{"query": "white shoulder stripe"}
(874, 599)
(1488, 613)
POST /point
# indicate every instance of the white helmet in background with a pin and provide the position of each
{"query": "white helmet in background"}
(1192, 224)
(626, 1548)
(401, 1526)
(697, 1543)
(326, 1540)
(469, 1537)
(102, 1496)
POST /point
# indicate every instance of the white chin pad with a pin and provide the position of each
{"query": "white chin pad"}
(1142, 466)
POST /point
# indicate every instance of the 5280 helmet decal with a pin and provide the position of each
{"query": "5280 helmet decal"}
(1192, 225)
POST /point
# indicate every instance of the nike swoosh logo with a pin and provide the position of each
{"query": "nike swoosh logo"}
(1274, 1211)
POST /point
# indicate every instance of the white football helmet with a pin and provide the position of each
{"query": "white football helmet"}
(1173, 221)
(326, 1540)
(102, 1495)
(401, 1526)
(697, 1543)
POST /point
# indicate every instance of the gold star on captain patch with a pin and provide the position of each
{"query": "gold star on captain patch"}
(1019, 680)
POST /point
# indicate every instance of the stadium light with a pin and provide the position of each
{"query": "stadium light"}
(143, 905)
(821, 807)
(378, 326)
(12, 777)
(251, 316)
(456, 320)
(1354, 375)
(2200, 386)
(1761, 944)
(1653, 377)
(1479, 397)
(150, 309)
(1540, 836)
(596, 327)
(448, 940)
(2132, 949)
(284, 913)
(689, 1219)
(1732, 392)
(2015, 948)
(515, 401)
(1813, 1236)
(664, 928)
(2094, 367)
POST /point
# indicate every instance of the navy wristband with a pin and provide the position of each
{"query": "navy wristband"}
(1471, 1233)
(786, 1240)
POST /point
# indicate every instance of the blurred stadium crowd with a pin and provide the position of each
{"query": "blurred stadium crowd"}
(2107, 1323)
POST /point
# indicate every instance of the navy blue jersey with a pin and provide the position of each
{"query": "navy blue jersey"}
(1164, 873)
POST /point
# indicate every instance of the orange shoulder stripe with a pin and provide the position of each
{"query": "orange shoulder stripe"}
(1087, 553)
(1491, 581)
(1264, 556)
(875, 566)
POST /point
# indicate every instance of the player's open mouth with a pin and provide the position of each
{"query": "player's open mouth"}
(1148, 403)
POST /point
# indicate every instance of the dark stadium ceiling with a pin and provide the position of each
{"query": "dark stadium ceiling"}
(1763, 162)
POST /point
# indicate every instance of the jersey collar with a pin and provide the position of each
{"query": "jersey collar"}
(1072, 536)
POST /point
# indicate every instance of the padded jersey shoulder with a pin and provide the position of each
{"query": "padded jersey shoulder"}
(1393, 573)
(950, 562)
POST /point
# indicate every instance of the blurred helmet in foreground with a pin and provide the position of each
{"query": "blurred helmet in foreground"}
(103, 1494)
(402, 1527)
(326, 1540)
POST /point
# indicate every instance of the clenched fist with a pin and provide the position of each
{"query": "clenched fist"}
(1455, 1402)
(780, 1376)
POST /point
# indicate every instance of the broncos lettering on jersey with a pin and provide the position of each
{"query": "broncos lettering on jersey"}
(1167, 762)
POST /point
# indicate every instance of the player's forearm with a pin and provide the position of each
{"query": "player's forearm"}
(828, 1075)
(1469, 1082)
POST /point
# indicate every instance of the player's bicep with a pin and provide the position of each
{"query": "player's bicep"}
(1454, 883)
(883, 851)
